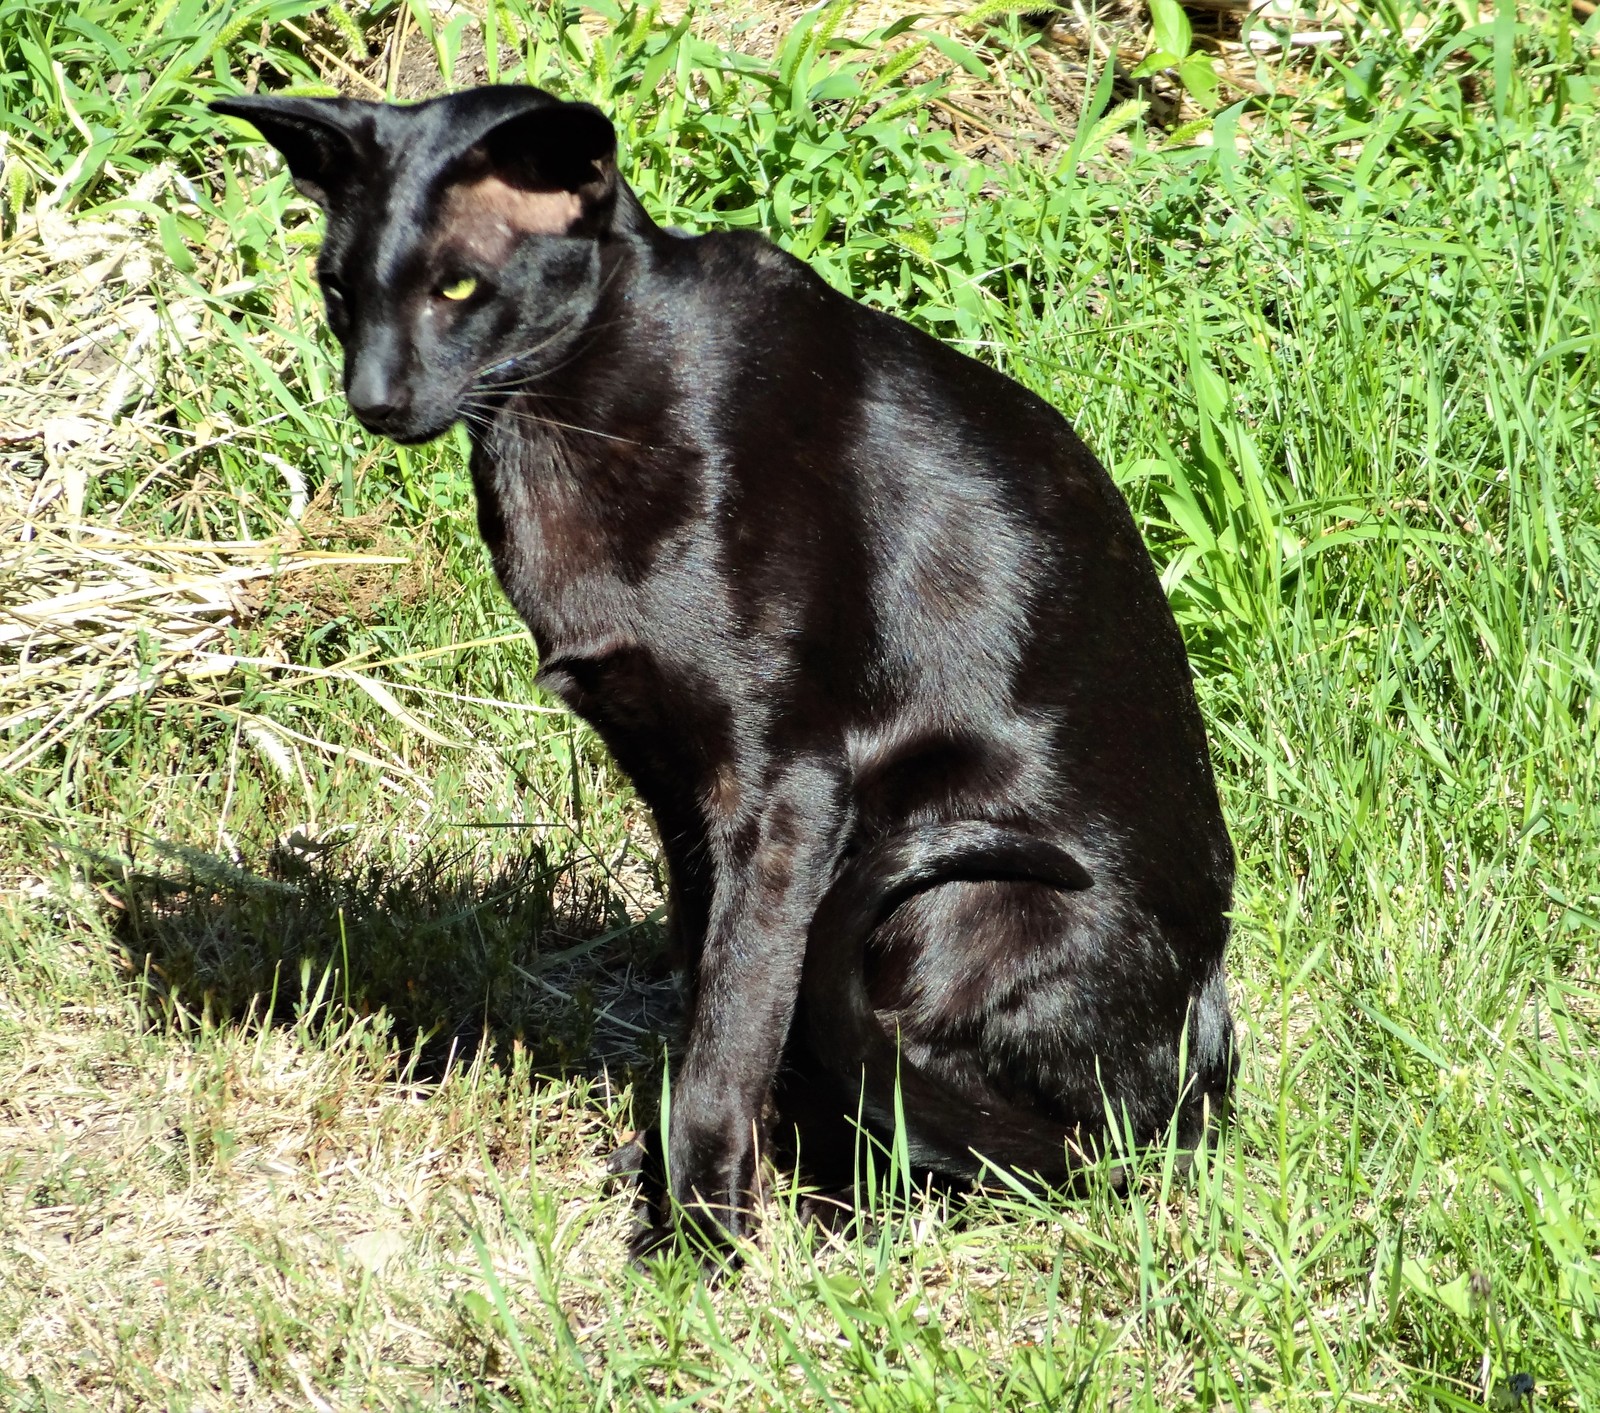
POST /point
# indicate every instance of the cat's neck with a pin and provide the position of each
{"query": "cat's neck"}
(588, 468)
(630, 219)
(609, 394)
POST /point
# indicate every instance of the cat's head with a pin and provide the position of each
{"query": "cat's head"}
(463, 242)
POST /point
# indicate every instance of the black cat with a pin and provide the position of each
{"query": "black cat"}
(870, 629)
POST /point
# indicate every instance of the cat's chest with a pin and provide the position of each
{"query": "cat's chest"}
(629, 624)
(557, 565)
(583, 551)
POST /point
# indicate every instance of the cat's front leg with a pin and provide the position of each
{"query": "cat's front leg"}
(773, 867)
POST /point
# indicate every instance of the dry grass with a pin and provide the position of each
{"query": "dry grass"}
(93, 613)
(146, 1171)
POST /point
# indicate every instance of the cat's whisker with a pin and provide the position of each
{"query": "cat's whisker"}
(533, 375)
(527, 380)
(522, 414)
(511, 359)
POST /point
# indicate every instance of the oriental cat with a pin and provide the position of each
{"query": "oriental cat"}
(870, 629)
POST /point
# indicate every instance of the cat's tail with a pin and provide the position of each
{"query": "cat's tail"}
(944, 1129)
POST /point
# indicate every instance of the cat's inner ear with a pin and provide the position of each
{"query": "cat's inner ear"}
(316, 136)
(486, 217)
(550, 171)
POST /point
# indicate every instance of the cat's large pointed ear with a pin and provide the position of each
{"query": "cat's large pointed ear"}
(557, 147)
(321, 138)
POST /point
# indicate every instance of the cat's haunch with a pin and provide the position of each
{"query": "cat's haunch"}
(870, 629)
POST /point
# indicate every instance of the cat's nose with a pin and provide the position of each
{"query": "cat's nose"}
(381, 409)
(380, 400)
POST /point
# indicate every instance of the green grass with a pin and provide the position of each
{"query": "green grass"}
(1339, 351)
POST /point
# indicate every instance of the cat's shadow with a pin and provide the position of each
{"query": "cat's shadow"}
(539, 949)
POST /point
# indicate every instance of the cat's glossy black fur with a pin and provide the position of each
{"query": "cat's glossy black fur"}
(871, 631)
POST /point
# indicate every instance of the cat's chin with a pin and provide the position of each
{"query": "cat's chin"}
(419, 438)
(407, 433)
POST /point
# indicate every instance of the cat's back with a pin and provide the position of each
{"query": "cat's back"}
(749, 315)
(818, 398)
(735, 300)
(960, 492)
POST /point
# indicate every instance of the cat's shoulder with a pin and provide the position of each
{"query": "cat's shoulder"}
(742, 256)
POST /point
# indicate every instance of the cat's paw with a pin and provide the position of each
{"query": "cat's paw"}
(648, 1240)
(626, 1162)
(710, 1201)
(833, 1213)
(714, 1167)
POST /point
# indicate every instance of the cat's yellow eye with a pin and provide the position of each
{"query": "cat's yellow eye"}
(460, 289)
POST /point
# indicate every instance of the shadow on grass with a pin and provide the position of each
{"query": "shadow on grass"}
(540, 950)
